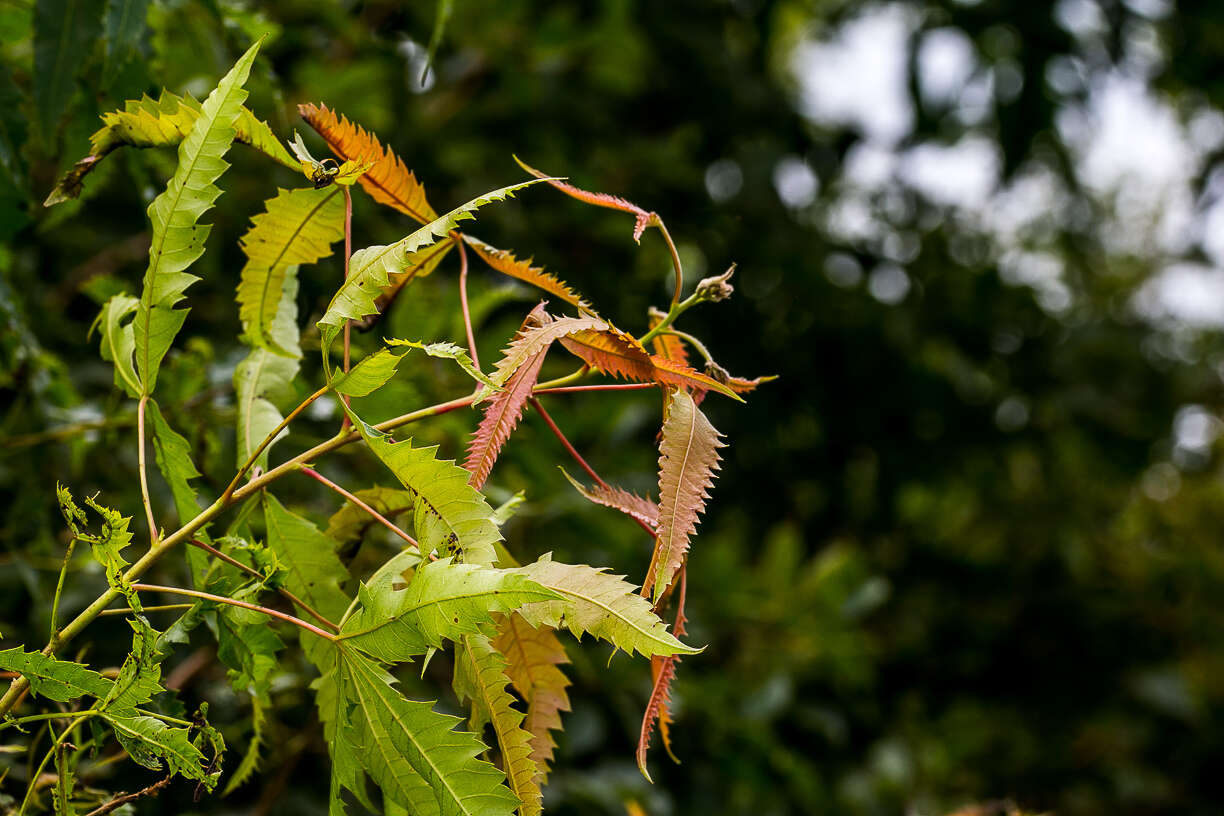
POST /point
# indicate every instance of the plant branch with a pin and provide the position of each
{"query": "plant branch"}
(268, 440)
(191, 593)
(295, 600)
(144, 474)
(463, 302)
(348, 254)
(675, 256)
(377, 516)
(54, 715)
(125, 610)
(59, 585)
(569, 447)
(123, 798)
(675, 311)
(573, 389)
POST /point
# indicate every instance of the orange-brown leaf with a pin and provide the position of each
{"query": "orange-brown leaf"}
(532, 660)
(668, 345)
(389, 181)
(507, 264)
(644, 510)
(539, 337)
(641, 222)
(742, 386)
(662, 674)
(501, 418)
(614, 352)
(688, 459)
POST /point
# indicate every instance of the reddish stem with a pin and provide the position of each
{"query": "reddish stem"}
(377, 516)
(191, 593)
(463, 301)
(571, 389)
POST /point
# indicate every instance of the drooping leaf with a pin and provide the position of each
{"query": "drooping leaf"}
(481, 678)
(140, 675)
(601, 605)
(533, 657)
(297, 227)
(688, 458)
(644, 510)
(741, 385)
(106, 546)
(173, 456)
(388, 181)
(507, 264)
(642, 218)
(444, 600)
(264, 371)
(449, 516)
(371, 270)
(350, 522)
(178, 237)
(505, 408)
(58, 680)
(400, 741)
(248, 650)
(615, 352)
(163, 122)
(448, 351)
(64, 31)
(251, 759)
(313, 572)
(149, 741)
(125, 24)
(119, 340)
(662, 673)
(663, 670)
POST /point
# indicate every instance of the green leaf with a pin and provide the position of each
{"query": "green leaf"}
(350, 522)
(480, 677)
(148, 741)
(173, 455)
(371, 269)
(119, 341)
(450, 516)
(57, 680)
(139, 676)
(313, 572)
(369, 375)
(297, 227)
(247, 650)
(61, 794)
(401, 741)
(163, 122)
(125, 24)
(264, 372)
(534, 657)
(64, 34)
(449, 351)
(444, 600)
(178, 238)
(604, 606)
(251, 759)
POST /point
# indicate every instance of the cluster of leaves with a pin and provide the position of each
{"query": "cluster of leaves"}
(453, 585)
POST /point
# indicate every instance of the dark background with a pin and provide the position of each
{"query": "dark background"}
(966, 548)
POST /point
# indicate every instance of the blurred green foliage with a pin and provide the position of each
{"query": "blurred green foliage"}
(957, 552)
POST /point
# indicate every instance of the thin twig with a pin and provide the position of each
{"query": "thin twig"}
(463, 301)
(191, 593)
(268, 440)
(377, 516)
(126, 610)
(234, 562)
(59, 585)
(144, 475)
(123, 798)
(693, 341)
(67, 431)
(675, 255)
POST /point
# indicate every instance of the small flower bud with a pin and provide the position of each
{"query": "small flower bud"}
(716, 288)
